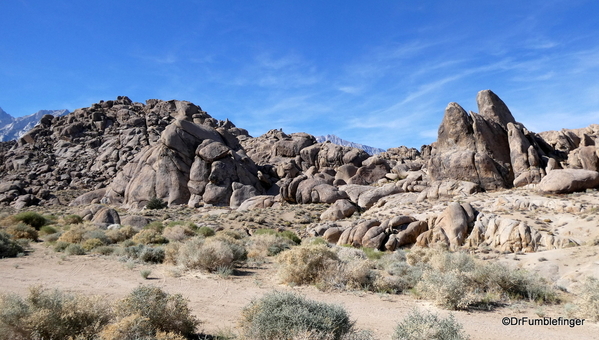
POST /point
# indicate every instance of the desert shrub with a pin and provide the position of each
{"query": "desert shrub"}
(152, 255)
(144, 253)
(155, 225)
(171, 252)
(236, 234)
(316, 241)
(91, 243)
(149, 236)
(283, 316)
(73, 235)
(156, 203)
(513, 283)
(457, 281)
(288, 234)
(22, 230)
(205, 231)
(263, 245)
(131, 327)
(8, 247)
(72, 219)
(587, 303)
(348, 275)
(165, 312)
(60, 246)
(291, 235)
(427, 326)
(121, 234)
(211, 254)
(305, 264)
(74, 249)
(47, 230)
(103, 250)
(98, 234)
(31, 218)
(178, 233)
(397, 276)
(52, 315)
(51, 238)
(372, 254)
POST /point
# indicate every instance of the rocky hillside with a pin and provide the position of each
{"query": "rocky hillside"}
(13, 128)
(336, 140)
(124, 154)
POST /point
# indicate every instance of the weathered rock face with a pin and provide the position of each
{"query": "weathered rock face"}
(489, 149)
(190, 164)
(565, 181)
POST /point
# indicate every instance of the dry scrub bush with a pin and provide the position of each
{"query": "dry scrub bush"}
(22, 231)
(73, 235)
(72, 219)
(121, 234)
(426, 326)
(287, 316)
(587, 303)
(149, 236)
(178, 233)
(8, 247)
(92, 243)
(457, 281)
(263, 245)
(306, 264)
(165, 313)
(74, 249)
(211, 254)
(51, 315)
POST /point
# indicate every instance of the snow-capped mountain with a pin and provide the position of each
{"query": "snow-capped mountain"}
(13, 128)
(336, 140)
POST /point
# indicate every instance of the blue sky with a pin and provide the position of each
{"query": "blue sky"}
(378, 73)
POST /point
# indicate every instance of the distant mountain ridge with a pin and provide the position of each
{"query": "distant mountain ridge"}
(336, 140)
(13, 128)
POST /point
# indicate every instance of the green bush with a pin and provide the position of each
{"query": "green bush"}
(48, 230)
(52, 315)
(156, 203)
(8, 247)
(165, 312)
(426, 326)
(284, 316)
(31, 218)
(205, 231)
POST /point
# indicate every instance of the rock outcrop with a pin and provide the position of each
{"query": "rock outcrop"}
(490, 149)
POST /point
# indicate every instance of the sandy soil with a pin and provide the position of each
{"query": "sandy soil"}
(218, 301)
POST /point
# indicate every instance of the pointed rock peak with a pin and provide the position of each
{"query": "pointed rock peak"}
(493, 109)
(456, 128)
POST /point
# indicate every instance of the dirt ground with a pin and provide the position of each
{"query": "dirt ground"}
(218, 301)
